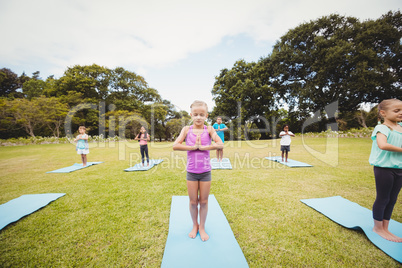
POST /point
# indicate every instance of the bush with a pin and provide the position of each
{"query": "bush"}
(351, 133)
(49, 140)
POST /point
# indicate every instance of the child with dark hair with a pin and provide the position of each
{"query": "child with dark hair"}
(285, 141)
(143, 138)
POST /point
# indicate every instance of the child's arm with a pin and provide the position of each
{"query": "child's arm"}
(384, 145)
(136, 138)
(148, 137)
(291, 134)
(224, 129)
(282, 133)
(218, 142)
(178, 146)
(80, 137)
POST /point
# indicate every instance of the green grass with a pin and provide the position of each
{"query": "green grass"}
(109, 217)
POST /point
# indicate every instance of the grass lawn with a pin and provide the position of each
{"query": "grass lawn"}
(109, 217)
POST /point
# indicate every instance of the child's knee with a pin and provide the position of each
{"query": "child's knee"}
(193, 202)
(203, 202)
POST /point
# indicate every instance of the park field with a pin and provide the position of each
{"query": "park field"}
(113, 218)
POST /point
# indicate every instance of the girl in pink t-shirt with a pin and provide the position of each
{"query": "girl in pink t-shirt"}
(143, 137)
(198, 143)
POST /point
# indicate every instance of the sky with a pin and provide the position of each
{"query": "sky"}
(179, 47)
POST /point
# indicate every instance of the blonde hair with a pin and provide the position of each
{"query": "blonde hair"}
(384, 105)
(199, 103)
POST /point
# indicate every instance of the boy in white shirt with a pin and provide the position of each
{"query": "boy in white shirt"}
(285, 141)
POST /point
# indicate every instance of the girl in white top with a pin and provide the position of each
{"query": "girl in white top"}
(285, 141)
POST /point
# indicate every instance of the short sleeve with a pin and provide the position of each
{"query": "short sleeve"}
(382, 129)
(282, 133)
(224, 126)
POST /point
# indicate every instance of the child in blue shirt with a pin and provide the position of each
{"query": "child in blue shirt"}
(220, 128)
(386, 157)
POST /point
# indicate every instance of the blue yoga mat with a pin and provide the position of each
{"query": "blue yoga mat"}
(290, 163)
(139, 167)
(224, 164)
(24, 205)
(221, 250)
(74, 167)
(354, 216)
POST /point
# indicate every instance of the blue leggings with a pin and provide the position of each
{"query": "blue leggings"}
(388, 182)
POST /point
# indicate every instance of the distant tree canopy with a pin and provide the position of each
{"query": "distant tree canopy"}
(333, 58)
(32, 106)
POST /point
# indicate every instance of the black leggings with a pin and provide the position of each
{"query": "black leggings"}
(144, 150)
(388, 182)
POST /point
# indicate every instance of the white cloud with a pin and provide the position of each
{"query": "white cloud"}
(150, 33)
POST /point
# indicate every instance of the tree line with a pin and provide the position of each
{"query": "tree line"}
(33, 107)
(332, 59)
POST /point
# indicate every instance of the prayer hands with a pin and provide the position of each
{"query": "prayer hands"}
(197, 145)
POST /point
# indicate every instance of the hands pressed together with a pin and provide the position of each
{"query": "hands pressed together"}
(199, 146)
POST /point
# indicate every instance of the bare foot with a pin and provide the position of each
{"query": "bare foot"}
(386, 235)
(397, 238)
(193, 232)
(204, 235)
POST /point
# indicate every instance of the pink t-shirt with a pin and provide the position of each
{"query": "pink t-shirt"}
(198, 161)
(143, 142)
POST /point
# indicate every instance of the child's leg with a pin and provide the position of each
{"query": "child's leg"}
(205, 187)
(146, 153)
(84, 159)
(192, 189)
(283, 152)
(142, 154)
(388, 185)
(392, 201)
(221, 154)
(217, 155)
(286, 156)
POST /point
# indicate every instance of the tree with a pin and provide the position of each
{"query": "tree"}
(53, 113)
(241, 94)
(27, 114)
(33, 88)
(92, 81)
(338, 58)
(9, 82)
(175, 125)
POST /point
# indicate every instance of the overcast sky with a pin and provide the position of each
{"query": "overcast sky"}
(177, 46)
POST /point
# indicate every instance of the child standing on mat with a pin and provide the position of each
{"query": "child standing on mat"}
(285, 141)
(220, 128)
(82, 145)
(198, 143)
(386, 157)
(143, 137)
